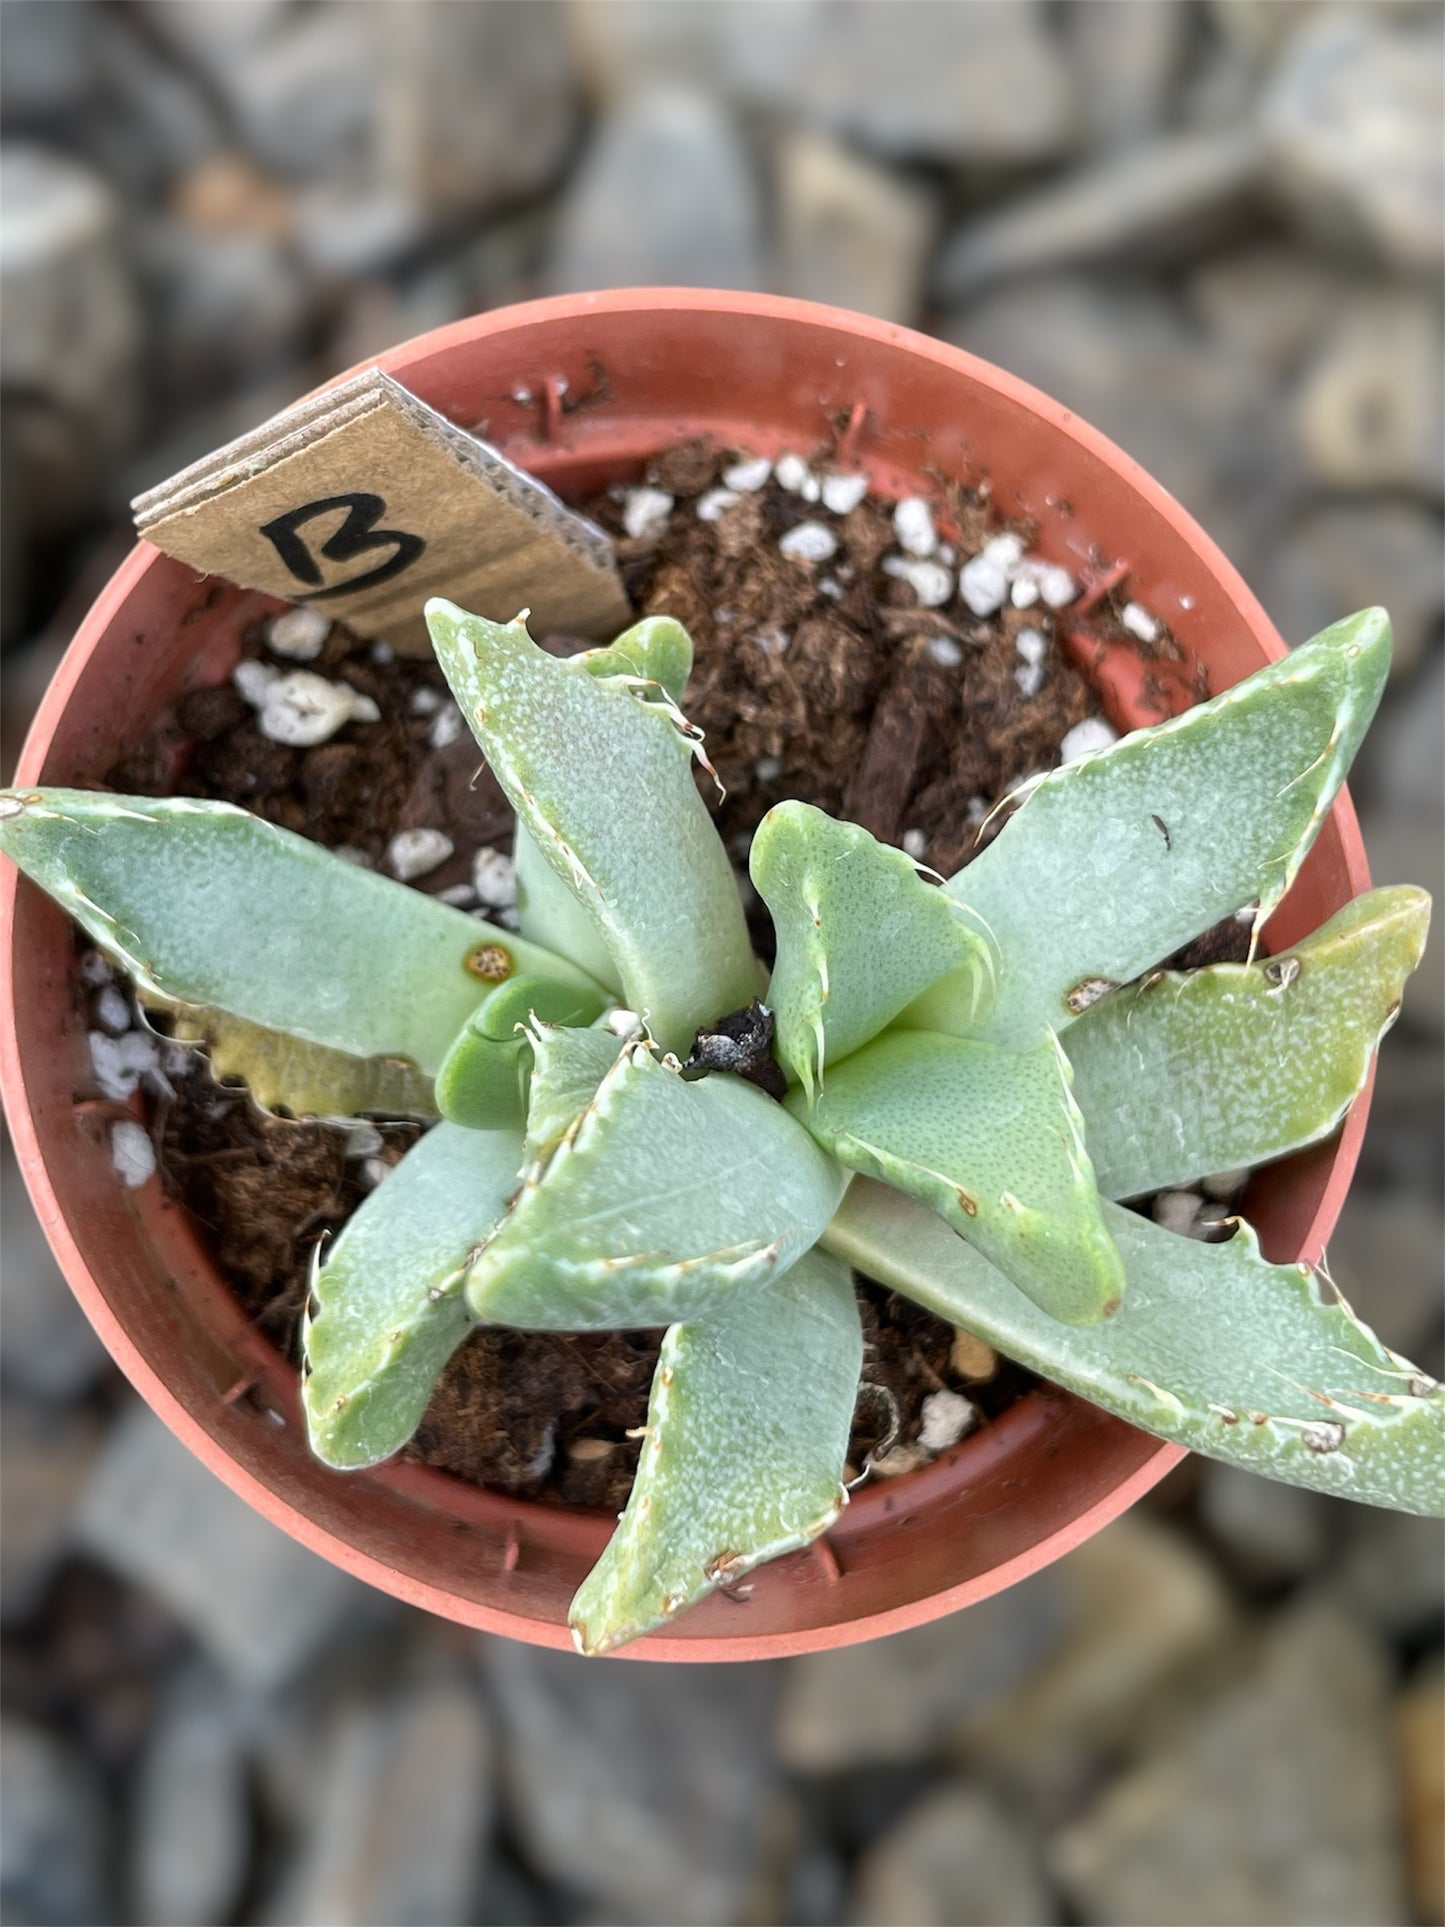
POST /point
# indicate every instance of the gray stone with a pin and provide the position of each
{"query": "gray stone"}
(901, 1698)
(849, 232)
(302, 90)
(1271, 1532)
(211, 34)
(150, 120)
(230, 305)
(984, 83)
(48, 1346)
(1145, 1612)
(258, 1602)
(664, 195)
(1271, 302)
(957, 1859)
(52, 1833)
(1386, 1257)
(1411, 849)
(1343, 556)
(910, 79)
(1370, 410)
(48, 68)
(1195, 412)
(1406, 750)
(1353, 117)
(46, 1452)
(1158, 201)
(1127, 59)
(643, 1789)
(191, 1831)
(403, 1811)
(1274, 1802)
(1391, 1569)
(70, 351)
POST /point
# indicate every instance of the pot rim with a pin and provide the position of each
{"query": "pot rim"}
(463, 336)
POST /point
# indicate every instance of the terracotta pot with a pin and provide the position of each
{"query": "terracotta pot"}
(581, 391)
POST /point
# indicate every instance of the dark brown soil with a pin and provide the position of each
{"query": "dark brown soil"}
(824, 683)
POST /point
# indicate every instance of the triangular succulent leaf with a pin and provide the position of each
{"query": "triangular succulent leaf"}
(1114, 861)
(860, 936)
(549, 913)
(601, 776)
(743, 1452)
(659, 1195)
(483, 1080)
(387, 1306)
(567, 1067)
(248, 931)
(991, 1140)
(658, 649)
(1260, 1365)
(1186, 1073)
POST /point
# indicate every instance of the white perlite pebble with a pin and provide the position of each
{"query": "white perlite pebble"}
(413, 853)
(132, 1154)
(1092, 733)
(929, 581)
(112, 1010)
(119, 1063)
(843, 493)
(808, 542)
(713, 506)
(913, 525)
(946, 1417)
(298, 634)
(95, 969)
(252, 679)
(1029, 676)
(373, 1170)
(1031, 644)
(793, 473)
(461, 896)
(1138, 621)
(494, 879)
(1038, 581)
(301, 709)
(362, 1139)
(748, 475)
(915, 844)
(425, 701)
(349, 853)
(622, 1023)
(645, 511)
(1177, 1210)
(944, 651)
(450, 725)
(382, 654)
(768, 769)
(984, 582)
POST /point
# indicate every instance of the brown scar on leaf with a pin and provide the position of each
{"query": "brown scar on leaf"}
(1282, 971)
(970, 1205)
(492, 962)
(1163, 829)
(1087, 992)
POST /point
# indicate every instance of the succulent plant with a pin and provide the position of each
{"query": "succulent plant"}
(971, 1077)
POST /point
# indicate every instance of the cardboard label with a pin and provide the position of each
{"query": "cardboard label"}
(362, 502)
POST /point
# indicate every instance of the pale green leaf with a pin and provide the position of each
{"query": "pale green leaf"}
(991, 1140)
(387, 1307)
(860, 936)
(658, 649)
(246, 925)
(1114, 861)
(483, 1080)
(602, 779)
(658, 1196)
(287, 1074)
(548, 912)
(1260, 1365)
(568, 1066)
(1191, 1072)
(743, 1456)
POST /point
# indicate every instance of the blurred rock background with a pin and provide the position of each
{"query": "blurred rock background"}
(1214, 227)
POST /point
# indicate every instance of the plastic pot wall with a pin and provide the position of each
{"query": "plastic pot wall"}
(581, 391)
